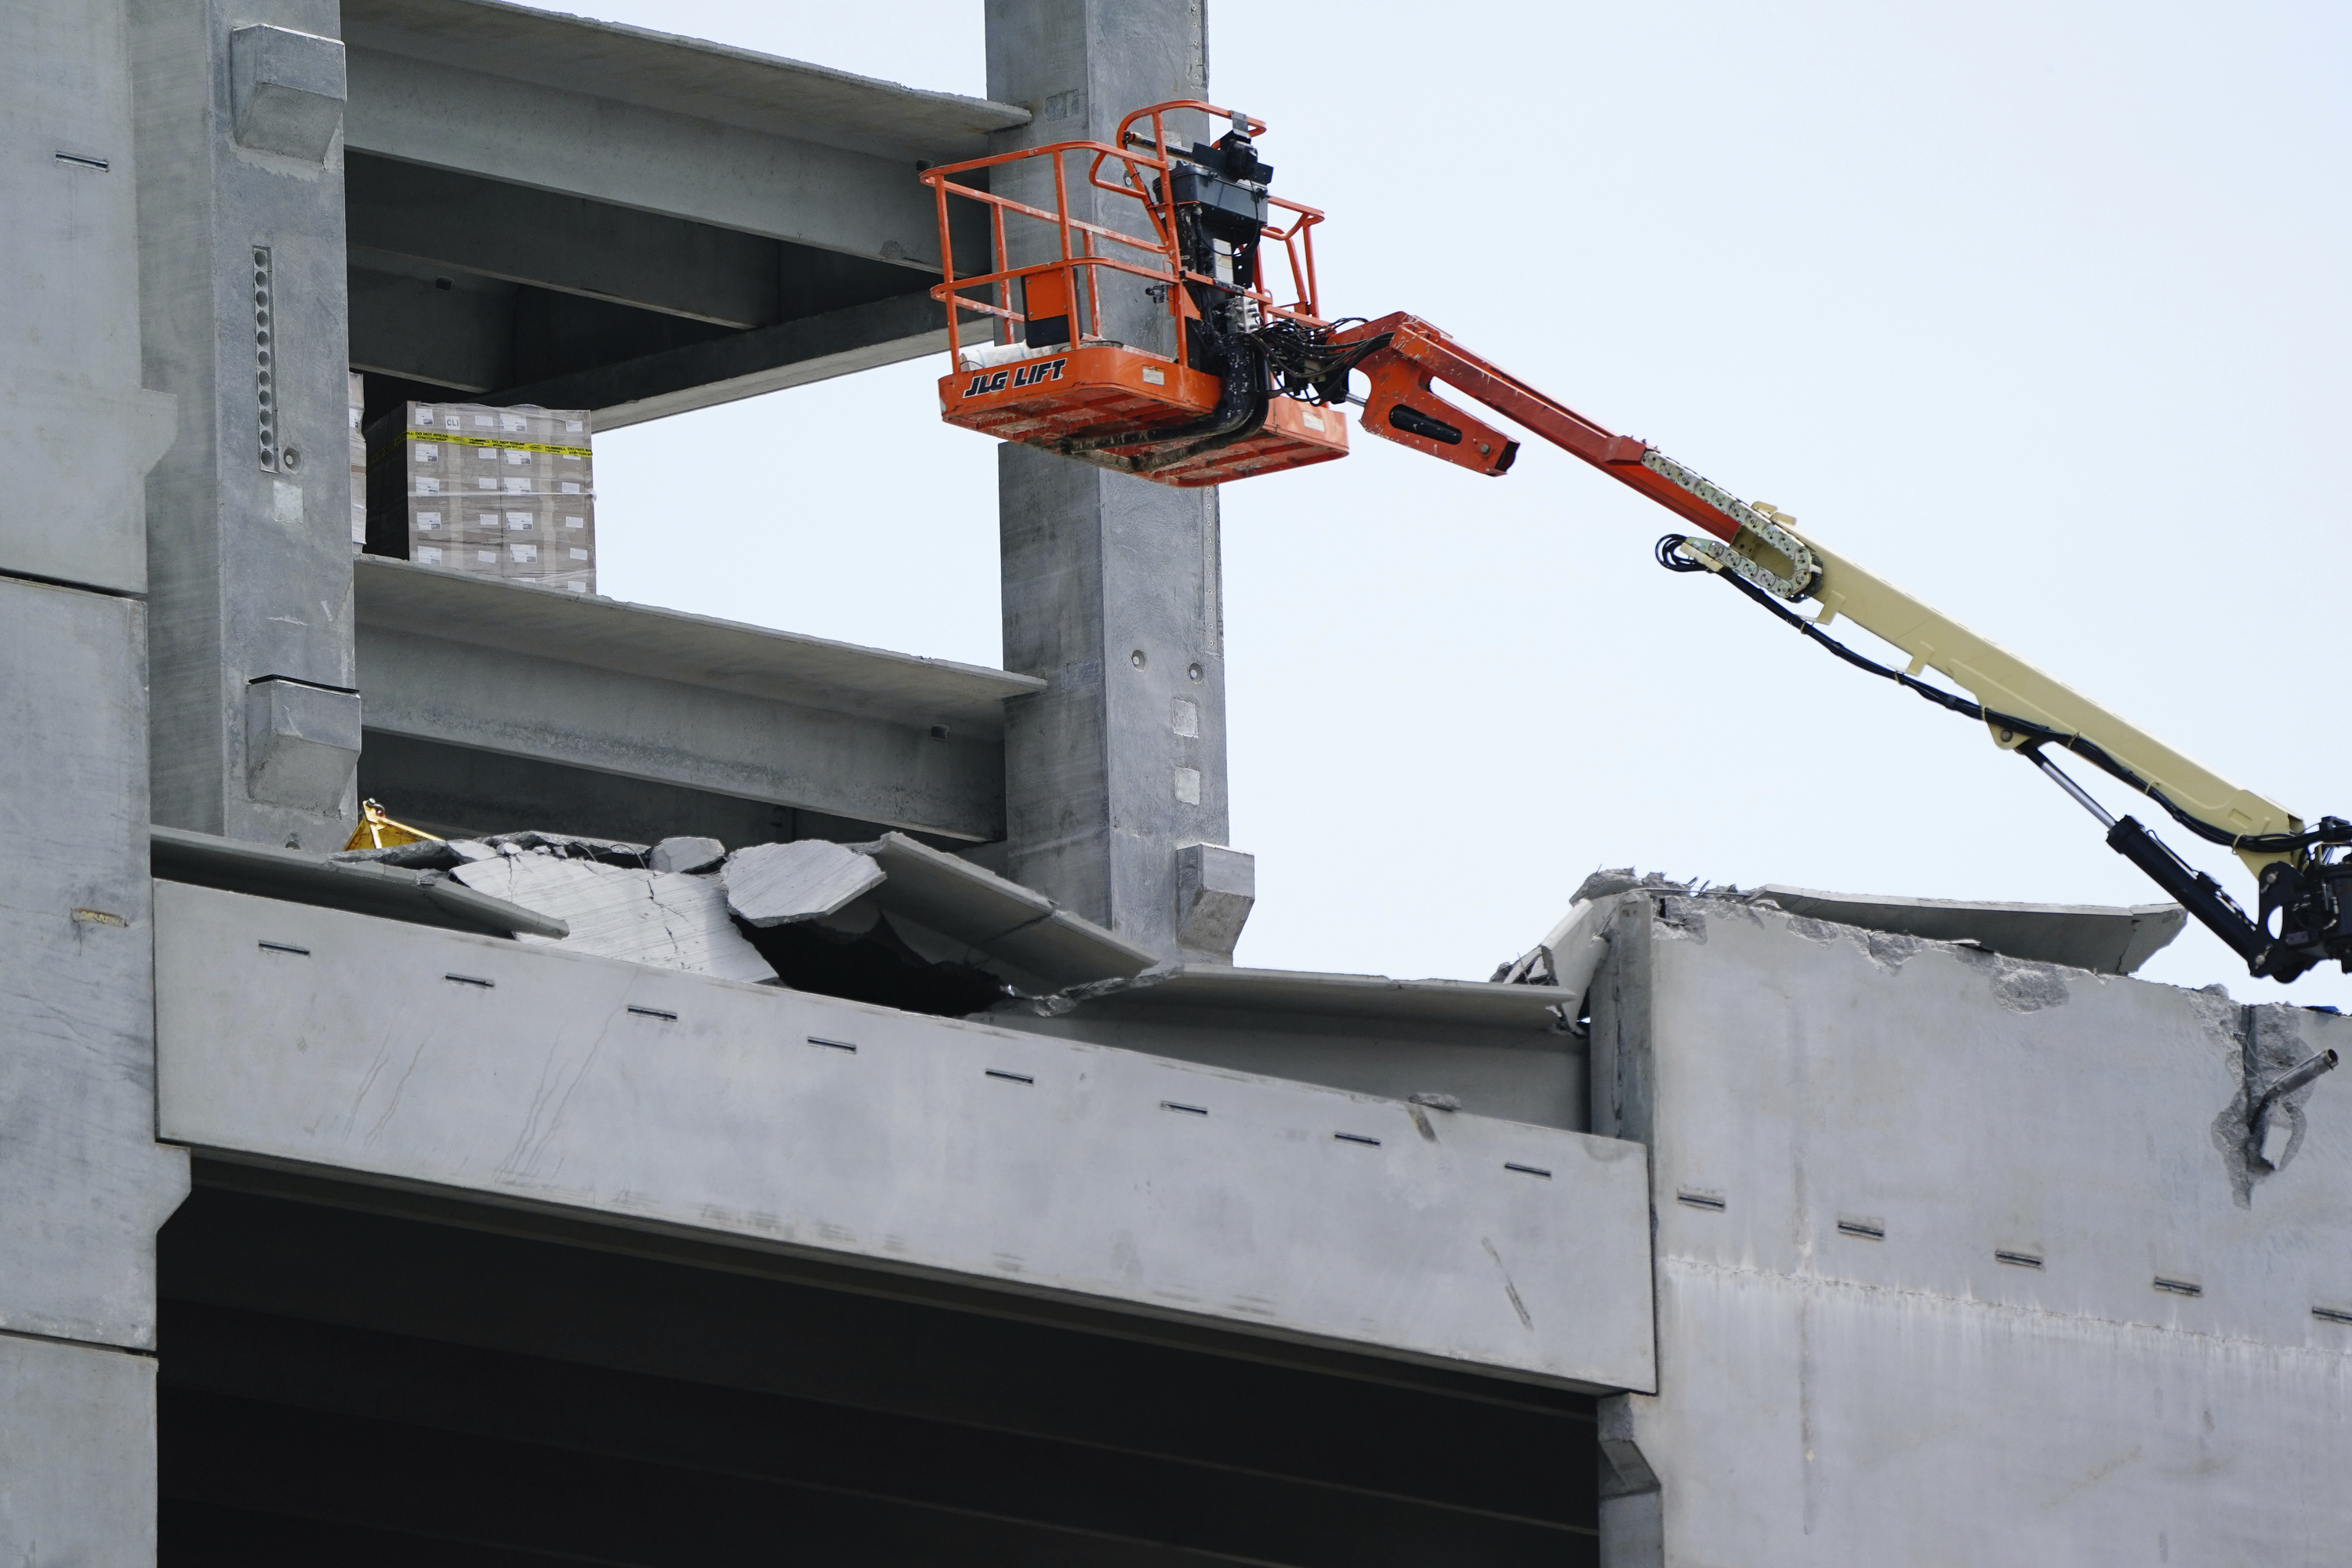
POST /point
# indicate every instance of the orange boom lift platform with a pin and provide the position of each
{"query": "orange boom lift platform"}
(1213, 407)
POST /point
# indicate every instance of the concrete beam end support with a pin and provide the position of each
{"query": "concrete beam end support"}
(301, 745)
(1215, 889)
(286, 90)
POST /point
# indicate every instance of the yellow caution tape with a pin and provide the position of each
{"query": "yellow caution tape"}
(491, 441)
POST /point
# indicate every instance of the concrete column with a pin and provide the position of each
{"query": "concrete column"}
(83, 1184)
(244, 318)
(1111, 582)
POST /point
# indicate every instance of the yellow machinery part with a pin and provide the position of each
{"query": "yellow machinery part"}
(377, 831)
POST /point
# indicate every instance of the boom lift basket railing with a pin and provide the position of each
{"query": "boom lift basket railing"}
(1056, 374)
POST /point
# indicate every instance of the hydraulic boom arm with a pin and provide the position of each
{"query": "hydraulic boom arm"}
(1759, 550)
(1228, 376)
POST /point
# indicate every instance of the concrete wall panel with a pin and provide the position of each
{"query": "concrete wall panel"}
(1965, 1259)
(1036, 1165)
(76, 1455)
(81, 431)
(83, 1184)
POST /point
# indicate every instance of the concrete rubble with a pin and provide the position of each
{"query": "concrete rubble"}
(2100, 939)
(891, 921)
(663, 918)
(616, 903)
(776, 884)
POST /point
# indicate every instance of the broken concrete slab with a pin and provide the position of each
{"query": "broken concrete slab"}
(440, 854)
(809, 879)
(2105, 939)
(1573, 949)
(687, 853)
(421, 896)
(991, 918)
(660, 918)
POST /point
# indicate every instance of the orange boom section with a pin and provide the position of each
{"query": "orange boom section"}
(1201, 240)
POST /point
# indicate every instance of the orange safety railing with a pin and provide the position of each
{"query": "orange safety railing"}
(1073, 275)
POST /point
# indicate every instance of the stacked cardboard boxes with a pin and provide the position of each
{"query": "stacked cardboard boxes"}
(359, 465)
(506, 492)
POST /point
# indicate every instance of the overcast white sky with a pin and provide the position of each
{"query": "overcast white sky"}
(2039, 310)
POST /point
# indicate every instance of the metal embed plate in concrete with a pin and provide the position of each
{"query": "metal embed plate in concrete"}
(955, 1149)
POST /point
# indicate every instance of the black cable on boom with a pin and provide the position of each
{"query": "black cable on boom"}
(2330, 830)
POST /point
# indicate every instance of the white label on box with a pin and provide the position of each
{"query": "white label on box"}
(577, 587)
(428, 451)
(448, 421)
(486, 483)
(428, 520)
(428, 485)
(424, 417)
(510, 421)
(488, 454)
(430, 554)
(518, 520)
(571, 488)
(517, 458)
(487, 557)
(578, 554)
(518, 487)
(482, 420)
(570, 457)
(572, 425)
(525, 552)
(575, 523)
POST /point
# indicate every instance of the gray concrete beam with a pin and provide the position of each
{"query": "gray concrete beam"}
(662, 161)
(1111, 583)
(83, 1184)
(1492, 1051)
(458, 791)
(386, 892)
(784, 1121)
(245, 318)
(1111, 593)
(404, 324)
(790, 98)
(698, 651)
(641, 727)
(619, 166)
(683, 700)
(562, 242)
(1080, 67)
(797, 352)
